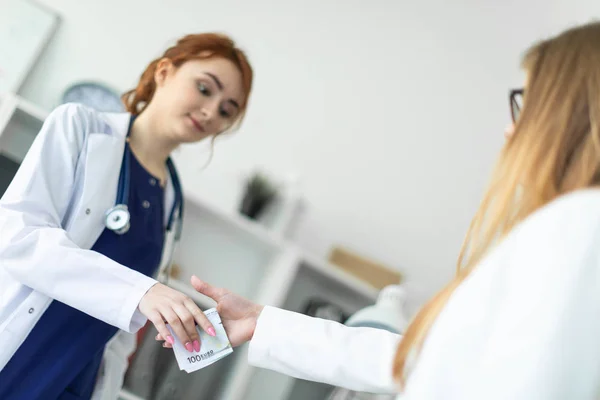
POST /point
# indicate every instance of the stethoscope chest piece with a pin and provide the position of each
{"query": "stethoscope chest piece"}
(118, 219)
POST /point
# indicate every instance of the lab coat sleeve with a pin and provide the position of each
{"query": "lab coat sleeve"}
(35, 249)
(543, 341)
(325, 351)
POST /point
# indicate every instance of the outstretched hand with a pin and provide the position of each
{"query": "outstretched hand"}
(162, 304)
(239, 315)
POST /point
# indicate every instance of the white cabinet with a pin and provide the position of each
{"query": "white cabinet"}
(19, 123)
(232, 251)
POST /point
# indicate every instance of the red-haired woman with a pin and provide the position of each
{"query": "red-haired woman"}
(90, 213)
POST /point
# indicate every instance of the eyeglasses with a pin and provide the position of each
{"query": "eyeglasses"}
(516, 103)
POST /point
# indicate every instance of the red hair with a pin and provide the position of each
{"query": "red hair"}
(191, 47)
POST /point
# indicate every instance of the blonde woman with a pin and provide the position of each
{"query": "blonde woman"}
(521, 320)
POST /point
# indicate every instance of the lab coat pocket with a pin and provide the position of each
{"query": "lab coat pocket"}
(17, 326)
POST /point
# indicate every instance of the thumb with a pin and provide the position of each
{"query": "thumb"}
(205, 288)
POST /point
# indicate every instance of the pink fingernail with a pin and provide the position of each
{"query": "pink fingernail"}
(170, 339)
(211, 331)
(196, 346)
(188, 347)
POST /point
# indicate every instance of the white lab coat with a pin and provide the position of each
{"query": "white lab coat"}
(50, 216)
(525, 325)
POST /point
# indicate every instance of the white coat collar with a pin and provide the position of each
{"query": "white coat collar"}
(104, 155)
(119, 123)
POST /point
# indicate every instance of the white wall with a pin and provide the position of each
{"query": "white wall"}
(391, 111)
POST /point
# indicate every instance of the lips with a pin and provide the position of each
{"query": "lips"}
(197, 124)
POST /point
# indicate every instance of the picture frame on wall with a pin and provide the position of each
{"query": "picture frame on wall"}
(26, 27)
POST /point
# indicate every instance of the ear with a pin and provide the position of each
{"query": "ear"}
(164, 69)
(509, 131)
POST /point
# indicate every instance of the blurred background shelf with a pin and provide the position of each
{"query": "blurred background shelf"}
(31, 109)
(236, 221)
(20, 121)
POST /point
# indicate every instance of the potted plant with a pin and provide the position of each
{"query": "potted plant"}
(259, 192)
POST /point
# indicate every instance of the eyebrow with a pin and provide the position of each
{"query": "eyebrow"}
(217, 81)
(220, 86)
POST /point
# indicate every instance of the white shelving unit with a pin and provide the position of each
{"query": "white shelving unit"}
(231, 251)
(20, 121)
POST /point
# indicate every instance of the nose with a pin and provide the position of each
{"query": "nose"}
(206, 114)
(209, 110)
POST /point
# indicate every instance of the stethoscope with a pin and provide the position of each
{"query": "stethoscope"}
(118, 218)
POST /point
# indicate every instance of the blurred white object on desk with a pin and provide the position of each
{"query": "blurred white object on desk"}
(388, 314)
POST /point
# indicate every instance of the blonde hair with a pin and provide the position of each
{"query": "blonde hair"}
(555, 149)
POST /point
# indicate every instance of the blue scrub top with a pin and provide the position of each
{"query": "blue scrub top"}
(61, 356)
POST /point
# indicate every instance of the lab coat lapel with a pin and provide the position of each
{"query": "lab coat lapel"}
(103, 161)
